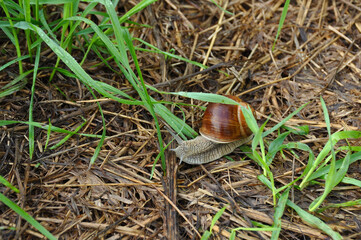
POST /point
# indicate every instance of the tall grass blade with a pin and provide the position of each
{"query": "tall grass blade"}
(31, 106)
(282, 20)
(27, 12)
(14, 35)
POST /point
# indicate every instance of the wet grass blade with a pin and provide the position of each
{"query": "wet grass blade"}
(14, 88)
(13, 61)
(28, 33)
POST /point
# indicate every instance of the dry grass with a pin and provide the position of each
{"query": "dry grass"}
(317, 54)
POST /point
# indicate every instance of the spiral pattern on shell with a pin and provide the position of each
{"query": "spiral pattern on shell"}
(224, 123)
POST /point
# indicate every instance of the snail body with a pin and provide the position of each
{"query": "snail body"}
(223, 129)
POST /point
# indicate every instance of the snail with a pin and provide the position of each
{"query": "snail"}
(223, 129)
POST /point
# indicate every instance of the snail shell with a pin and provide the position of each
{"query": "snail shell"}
(223, 129)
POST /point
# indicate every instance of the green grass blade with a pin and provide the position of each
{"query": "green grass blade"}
(341, 205)
(67, 136)
(305, 216)
(69, 61)
(179, 126)
(122, 35)
(282, 20)
(117, 31)
(298, 130)
(14, 35)
(314, 221)
(325, 151)
(277, 126)
(207, 233)
(331, 174)
(31, 105)
(147, 99)
(352, 181)
(279, 210)
(137, 8)
(207, 97)
(224, 10)
(26, 216)
(48, 133)
(332, 181)
(8, 33)
(100, 144)
(10, 90)
(8, 185)
(14, 8)
(324, 170)
(118, 54)
(154, 49)
(52, 2)
(275, 146)
(20, 78)
(45, 127)
(27, 12)
(216, 217)
(13, 61)
(67, 12)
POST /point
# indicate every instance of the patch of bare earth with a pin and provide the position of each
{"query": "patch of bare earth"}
(317, 54)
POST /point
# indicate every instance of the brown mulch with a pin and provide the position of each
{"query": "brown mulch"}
(317, 54)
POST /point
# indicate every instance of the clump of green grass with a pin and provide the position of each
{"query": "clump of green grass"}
(324, 165)
(108, 37)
